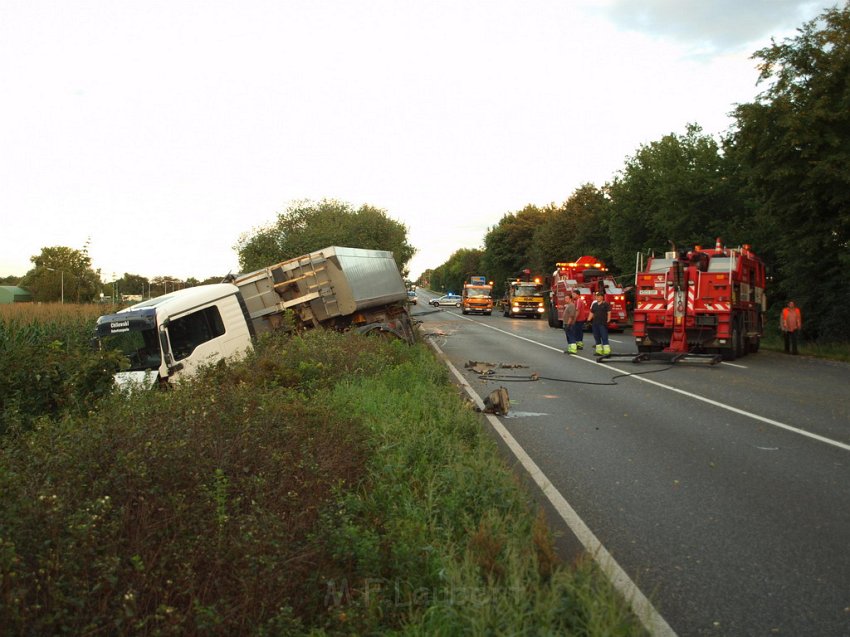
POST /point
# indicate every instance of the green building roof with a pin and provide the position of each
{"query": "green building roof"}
(14, 294)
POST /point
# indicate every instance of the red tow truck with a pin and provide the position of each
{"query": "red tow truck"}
(586, 276)
(702, 302)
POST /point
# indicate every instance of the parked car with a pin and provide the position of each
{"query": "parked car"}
(448, 300)
(411, 297)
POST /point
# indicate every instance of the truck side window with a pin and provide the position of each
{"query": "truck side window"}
(187, 332)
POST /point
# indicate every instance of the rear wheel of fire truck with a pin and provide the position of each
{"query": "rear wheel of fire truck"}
(741, 347)
(731, 353)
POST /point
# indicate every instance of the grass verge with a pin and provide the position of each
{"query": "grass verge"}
(330, 485)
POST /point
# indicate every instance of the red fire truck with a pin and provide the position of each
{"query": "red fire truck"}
(587, 276)
(708, 301)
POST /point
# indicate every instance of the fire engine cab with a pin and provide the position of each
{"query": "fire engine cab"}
(707, 301)
(586, 276)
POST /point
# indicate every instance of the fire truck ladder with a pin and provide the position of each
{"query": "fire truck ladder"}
(677, 351)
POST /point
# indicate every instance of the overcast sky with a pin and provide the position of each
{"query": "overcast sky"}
(160, 131)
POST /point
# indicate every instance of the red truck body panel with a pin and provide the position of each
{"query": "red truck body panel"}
(708, 300)
(586, 276)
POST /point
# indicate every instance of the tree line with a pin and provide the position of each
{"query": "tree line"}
(778, 179)
(65, 274)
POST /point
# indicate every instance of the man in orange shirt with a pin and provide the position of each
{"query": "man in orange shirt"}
(792, 321)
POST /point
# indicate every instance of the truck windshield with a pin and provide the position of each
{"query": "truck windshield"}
(527, 290)
(140, 346)
(478, 293)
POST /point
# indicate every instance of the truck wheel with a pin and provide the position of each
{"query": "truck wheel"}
(550, 316)
(744, 346)
(731, 353)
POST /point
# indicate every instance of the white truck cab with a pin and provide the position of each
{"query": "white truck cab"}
(173, 335)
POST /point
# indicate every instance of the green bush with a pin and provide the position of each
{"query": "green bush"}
(171, 513)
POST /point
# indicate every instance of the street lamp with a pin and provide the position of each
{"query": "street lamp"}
(62, 280)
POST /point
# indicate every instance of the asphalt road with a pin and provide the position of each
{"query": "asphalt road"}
(722, 491)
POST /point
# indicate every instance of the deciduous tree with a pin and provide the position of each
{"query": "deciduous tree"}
(60, 271)
(307, 226)
(508, 245)
(452, 274)
(672, 190)
(792, 146)
(578, 226)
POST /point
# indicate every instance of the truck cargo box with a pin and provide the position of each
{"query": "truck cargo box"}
(321, 286)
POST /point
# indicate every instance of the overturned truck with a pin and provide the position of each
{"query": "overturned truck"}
(171, 336)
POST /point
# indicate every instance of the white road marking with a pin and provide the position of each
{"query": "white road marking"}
(643, 379)
(651, 619)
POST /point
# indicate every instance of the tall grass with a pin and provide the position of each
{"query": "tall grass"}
(443, 541)
(774, 341)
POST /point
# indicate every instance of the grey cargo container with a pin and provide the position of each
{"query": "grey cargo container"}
(332, 287)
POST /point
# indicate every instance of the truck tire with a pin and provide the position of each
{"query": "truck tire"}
(550, 316)
(731, 353)
(744, 347)
(741, 342)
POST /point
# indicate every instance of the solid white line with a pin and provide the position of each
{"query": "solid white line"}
(651, 619)
(643, 379)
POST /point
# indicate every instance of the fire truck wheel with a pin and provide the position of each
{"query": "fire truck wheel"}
(739, 340)
(744, 348)
(731, 353)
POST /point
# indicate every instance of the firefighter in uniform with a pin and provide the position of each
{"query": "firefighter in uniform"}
(600, 310)
(581, 316)
(569, 324)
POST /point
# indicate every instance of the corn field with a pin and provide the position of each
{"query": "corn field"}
(47, 365)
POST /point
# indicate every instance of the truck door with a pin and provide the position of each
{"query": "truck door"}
(203, 336)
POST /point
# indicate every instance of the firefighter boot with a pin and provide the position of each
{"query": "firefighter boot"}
(599, 350)
(572, 349)
(606, 349)
(580, 344)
